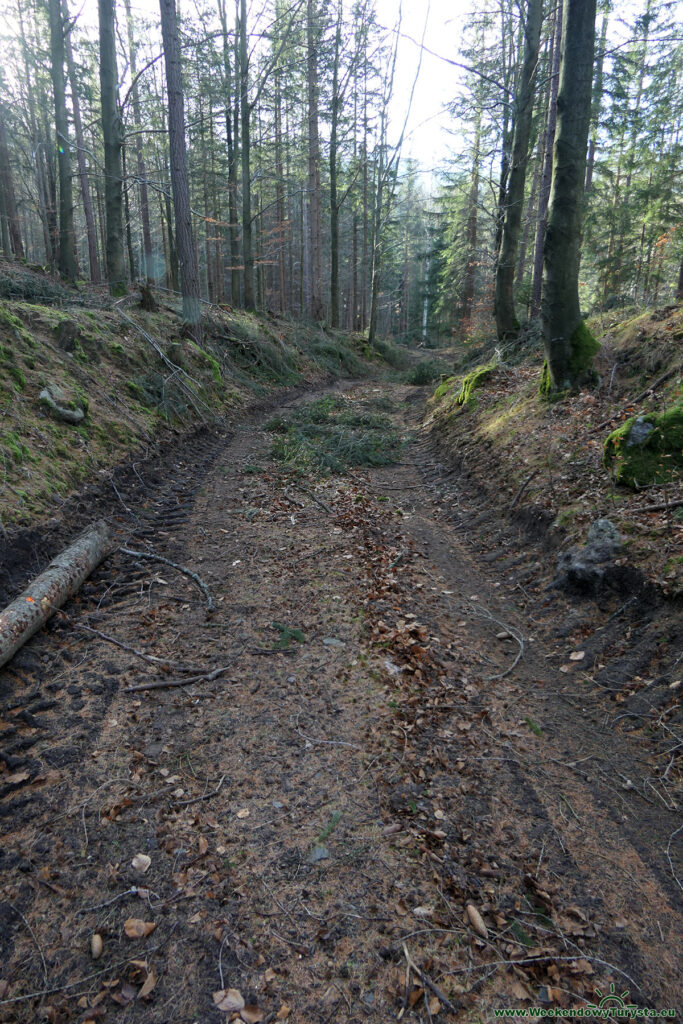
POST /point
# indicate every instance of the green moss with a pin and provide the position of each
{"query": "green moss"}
(17, 376)
(443, 389)
(584, 349)
(117, 350)
(211, 361)
(658, 458)
(15, 325)
(14, 446)
(473, 381)
(136, 389)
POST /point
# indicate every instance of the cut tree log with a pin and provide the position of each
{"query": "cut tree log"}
(62, 578)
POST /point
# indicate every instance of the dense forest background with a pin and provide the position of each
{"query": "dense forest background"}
(283, 119)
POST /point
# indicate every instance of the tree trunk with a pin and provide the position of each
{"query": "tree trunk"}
(596, 104)
(544, 194)
(247, 243)
(187, 254)
(334, 207)
(91, 230)
(507, 324)
(315, 227)
(10, 203)
(569, 345)
(148, 261)
(66, 259)
(112, 129)
(233, 279)
(63, 577)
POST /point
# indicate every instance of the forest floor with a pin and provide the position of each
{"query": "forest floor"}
(399, 795)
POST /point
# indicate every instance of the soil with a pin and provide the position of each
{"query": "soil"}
(411, 781)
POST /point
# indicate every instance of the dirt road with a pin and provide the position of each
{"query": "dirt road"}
(391, 792)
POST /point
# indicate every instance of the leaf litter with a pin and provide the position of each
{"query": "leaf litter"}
(455, 870)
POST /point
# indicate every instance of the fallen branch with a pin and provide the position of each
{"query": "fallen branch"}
(164, 684)
(204, 796)
(133, 650)
(60, 581)
(640, 397)
(524, 486)
(180, 568)
(663, 506)
(427, 981)
(484, 613)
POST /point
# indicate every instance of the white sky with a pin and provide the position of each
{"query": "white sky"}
(426, 139)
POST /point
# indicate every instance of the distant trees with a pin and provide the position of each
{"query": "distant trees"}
(296, 198)
(630, 240)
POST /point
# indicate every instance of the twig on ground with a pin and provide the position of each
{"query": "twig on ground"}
(81, 981)
(310, 739)
(133, 650)
(668, 857)
(643, 394)
(33, 936)
(180, 568)
(484, 613)
(662, 506)
(427, 981)
(204, 796)
(315, 498)
(524, 486)
(164, 684)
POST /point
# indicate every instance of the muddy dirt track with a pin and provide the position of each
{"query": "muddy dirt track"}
(407, 782)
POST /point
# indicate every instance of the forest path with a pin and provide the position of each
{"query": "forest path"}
(355, 777)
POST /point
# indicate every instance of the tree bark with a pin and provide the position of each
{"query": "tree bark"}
(507, 324)
(91, 230)
(544, 193)
(9, 197)
(569, 345)
(247, 244)
(334, 205)
(233, 279)
(187, 254)
(66, 253)
(63, 577)
(315, 226)
(112, 129)
(148, 261)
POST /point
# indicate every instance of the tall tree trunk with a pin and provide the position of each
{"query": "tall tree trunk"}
(7, 185)
(596, 104)
(471, 228)
(91, 230)
(67, 244)
(132, 262)
(315, 226)
(282, 227)
(112, 129)
(569, 345)
(187, 253)
(4, 228)
(546, 176)
(233, 279)
(507, 324)
(334, 206)
(148, 260)
(247, 242)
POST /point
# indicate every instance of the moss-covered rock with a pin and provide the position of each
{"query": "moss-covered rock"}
(472, 381)
(646, 449)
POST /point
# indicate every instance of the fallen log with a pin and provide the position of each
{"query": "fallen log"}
(44, 595)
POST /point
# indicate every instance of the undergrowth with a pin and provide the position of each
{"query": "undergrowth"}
(330, 436)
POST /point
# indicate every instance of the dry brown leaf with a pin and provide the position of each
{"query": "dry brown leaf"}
(284, 1012)
(434, 1006)
(141, 862)
(228, 1000)
(203, 845)
(520, 991)
(270, 975)
(251, 1015)
(148, 985)
(137, 929)
(244, 813)
(16, 778)
(96, 946)
(577, 655)
(477, 921)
